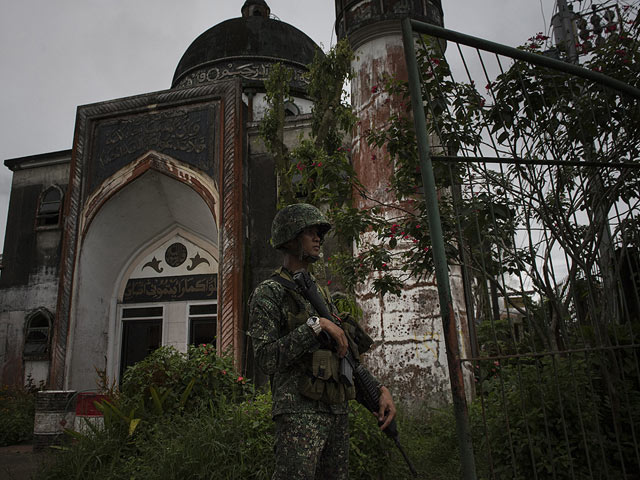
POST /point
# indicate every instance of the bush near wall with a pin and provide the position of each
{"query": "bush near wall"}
(17, 410)
(224, 430)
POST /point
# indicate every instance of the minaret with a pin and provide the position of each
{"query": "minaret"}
(374, 33)
(410, 350)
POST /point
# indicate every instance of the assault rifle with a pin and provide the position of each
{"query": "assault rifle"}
(351, 371)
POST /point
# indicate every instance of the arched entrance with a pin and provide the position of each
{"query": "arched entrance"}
(118, 283)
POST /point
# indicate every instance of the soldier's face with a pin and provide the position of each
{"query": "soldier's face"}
(311, 241)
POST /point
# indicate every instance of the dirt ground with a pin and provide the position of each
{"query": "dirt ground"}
(18, 462)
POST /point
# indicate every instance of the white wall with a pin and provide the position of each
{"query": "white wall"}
(140, 214)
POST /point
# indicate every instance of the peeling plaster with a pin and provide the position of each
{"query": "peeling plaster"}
(409, 353)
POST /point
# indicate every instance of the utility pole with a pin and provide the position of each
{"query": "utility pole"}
(564, 30)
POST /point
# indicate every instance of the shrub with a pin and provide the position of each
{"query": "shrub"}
(224, 429)
(17, 409)
(168, 374)
(554, 417)
(227, 440)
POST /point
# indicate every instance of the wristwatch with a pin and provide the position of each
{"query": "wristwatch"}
(314, 324)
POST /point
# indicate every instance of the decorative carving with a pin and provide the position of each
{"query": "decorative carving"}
(169, 289)
(364, 14)
(232, 247)
(155, 264)
(248, 70)
(176, 255)
(197, 260)
(401, 6)
(185, 134)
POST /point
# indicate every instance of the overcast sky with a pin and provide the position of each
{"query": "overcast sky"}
(58, 54)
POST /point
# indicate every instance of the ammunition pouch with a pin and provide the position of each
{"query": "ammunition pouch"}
(323, 380)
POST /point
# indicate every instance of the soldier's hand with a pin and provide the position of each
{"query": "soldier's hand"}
(337, 334)
(387, 408)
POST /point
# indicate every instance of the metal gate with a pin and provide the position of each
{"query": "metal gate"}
(542, 215)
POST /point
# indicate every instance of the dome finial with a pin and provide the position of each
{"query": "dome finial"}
(255, 8)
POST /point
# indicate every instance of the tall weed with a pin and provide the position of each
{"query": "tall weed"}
(223, 430)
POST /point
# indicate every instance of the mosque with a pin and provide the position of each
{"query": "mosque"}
(153, 228)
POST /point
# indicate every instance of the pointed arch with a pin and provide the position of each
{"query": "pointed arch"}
(37, 334)
(202, 184)
(50, 207)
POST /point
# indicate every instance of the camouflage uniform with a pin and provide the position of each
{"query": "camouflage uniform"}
(312, 437)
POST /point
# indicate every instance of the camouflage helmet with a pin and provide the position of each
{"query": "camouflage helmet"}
(293, 219)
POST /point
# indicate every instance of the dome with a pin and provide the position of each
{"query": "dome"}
(245, 47)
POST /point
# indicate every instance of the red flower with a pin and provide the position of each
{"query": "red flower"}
(240, 379)
(374, 89)
(300, 166)
(223, 372)
(328, 282)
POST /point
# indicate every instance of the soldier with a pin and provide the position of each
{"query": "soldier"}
(309, 401)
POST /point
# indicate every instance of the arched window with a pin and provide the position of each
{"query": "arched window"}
(37, 336)
(49, 209)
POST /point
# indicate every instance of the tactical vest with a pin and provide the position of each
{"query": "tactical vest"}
(322, 368)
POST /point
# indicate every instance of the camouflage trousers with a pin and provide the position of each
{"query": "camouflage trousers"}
(312, 446)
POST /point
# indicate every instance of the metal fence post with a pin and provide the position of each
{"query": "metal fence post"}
(440, 261)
